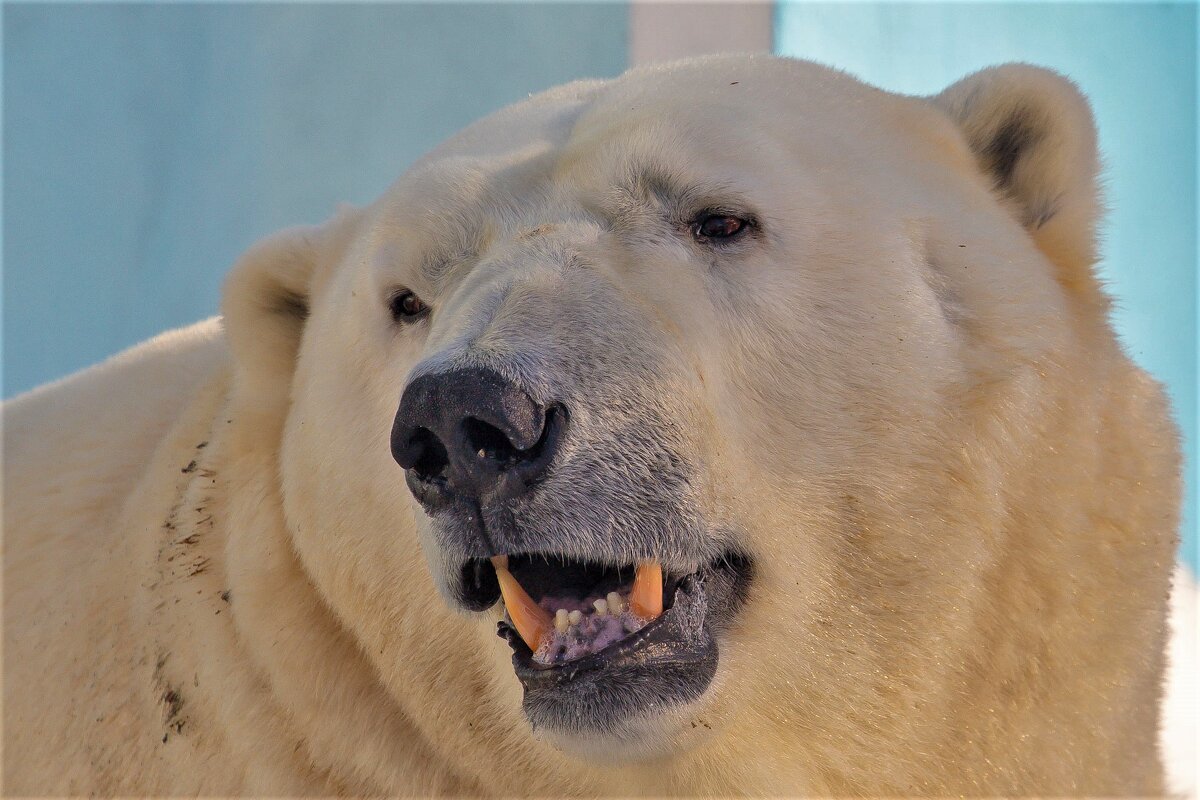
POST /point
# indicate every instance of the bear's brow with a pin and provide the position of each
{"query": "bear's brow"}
(456, 244)
(667, 185)
(676, 194)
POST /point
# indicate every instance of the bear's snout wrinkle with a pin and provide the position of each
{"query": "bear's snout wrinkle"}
(471, 434)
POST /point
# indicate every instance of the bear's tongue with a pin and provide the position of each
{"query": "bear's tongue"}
(561, 629)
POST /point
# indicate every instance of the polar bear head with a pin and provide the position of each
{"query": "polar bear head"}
(754, 367)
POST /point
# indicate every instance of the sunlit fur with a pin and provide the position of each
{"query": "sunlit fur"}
(902, 397)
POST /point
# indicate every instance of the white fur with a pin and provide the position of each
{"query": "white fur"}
(1181, 709)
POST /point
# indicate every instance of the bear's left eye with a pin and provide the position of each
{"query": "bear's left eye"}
(716, 225)
(407, 307)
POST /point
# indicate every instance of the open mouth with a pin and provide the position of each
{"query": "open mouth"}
(596, 644)
(568, 610)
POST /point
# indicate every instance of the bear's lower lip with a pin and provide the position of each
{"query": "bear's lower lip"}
(669, 662)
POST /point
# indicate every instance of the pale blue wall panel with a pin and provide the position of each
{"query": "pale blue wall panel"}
(146, 146)
(1137, 64)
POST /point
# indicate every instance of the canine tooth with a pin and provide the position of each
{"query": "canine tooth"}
(601, 607)
(615, 606)
(532, 622)
(561, 620)
(575, 617)
(646, 597)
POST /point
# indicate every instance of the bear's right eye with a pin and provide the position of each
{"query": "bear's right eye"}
(407, 307)
(719, 226)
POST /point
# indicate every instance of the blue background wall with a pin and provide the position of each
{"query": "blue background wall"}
(146, 146)
(1137, 64)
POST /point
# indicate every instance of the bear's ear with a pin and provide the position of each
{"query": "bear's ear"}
(265, 303)
(1032, 132)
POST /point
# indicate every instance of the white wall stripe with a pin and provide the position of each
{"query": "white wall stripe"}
(662, 30)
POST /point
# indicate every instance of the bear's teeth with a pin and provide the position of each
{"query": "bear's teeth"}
(646, 596)
(575, 617)
(615, 606)
(533, 623)
(601, 607)
(561, 622)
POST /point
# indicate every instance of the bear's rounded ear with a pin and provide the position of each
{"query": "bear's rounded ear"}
(265, 303)
(1032, 132)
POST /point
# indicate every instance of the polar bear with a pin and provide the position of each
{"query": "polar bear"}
(774, 422)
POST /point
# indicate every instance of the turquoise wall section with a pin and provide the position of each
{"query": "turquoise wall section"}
(147, 145)
(1137, 63)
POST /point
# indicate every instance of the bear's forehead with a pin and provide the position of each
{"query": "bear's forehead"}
(712, 116)
(710, 131)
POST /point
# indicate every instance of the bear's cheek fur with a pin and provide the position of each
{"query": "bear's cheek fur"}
(834, 495)
(351, 514)
(354, 528)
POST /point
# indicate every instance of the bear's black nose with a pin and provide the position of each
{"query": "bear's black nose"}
(471, 434)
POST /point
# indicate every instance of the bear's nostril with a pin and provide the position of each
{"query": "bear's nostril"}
(425, 454)
(489, 442)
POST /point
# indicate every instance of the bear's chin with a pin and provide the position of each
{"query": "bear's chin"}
(647, 738)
